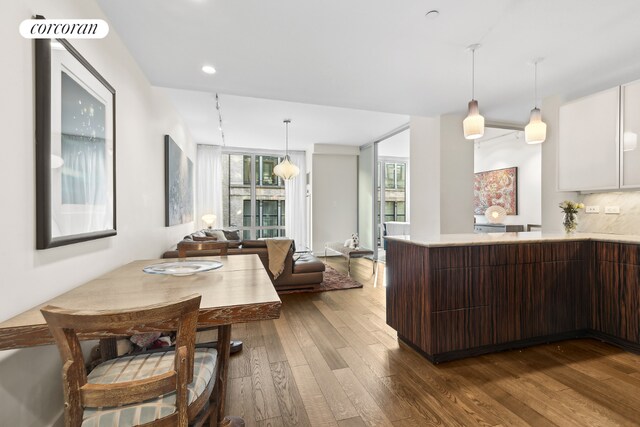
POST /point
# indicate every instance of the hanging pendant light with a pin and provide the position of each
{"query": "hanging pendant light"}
(286, 169)
(536, 131)
(473, 124)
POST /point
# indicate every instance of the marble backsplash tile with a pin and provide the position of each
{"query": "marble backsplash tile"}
(627, 222)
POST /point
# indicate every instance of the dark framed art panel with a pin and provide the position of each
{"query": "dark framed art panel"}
(75, 147)
(496, 187)
(178, 182)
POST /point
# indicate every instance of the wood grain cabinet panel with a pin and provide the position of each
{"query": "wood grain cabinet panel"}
(513, 309)
(564, 251)
(452, 302)
(408, 307)
(616, 292)
(465, 328)
(630, 303)
(565, 297)
(457, 288)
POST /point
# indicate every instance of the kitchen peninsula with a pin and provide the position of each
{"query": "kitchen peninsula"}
(461, 295)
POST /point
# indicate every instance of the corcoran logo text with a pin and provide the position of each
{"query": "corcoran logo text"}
(64, 28)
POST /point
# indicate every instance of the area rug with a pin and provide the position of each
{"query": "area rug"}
(332, 281)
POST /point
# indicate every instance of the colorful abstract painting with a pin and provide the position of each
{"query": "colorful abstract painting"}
(496, 187)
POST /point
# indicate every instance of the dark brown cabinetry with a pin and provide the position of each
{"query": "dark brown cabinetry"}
(616, 291)
(476, 299)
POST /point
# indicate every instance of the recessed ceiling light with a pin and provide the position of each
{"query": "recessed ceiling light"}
(208, 69)
(432, 14)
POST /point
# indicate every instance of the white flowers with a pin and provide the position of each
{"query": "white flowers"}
(569, 206)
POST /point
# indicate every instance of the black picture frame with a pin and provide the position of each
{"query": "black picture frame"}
(50, 233)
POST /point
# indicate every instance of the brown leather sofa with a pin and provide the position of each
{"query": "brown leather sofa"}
(301, 271)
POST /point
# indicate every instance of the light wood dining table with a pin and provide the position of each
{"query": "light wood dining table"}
(238, 292)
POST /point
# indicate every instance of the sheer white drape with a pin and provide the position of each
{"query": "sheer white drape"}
(295, 215)
(209, 184)
(85, 202)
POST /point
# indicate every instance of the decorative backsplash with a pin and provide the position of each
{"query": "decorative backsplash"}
(626, 222)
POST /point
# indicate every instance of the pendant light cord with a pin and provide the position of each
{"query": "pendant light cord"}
(286, 143)
(535, 84)
(473, 74)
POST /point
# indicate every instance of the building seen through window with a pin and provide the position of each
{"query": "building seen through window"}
(394, 197)
(395, 191)
(253, 197)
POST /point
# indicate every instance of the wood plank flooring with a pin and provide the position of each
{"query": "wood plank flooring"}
(331, 360)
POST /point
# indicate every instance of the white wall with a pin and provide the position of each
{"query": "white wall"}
(425, 178)
(456, 177)
(30, 389)
(334, 198)
(441, 177)
(508, 151)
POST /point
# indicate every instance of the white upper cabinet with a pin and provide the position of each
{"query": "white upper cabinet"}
(588, 146)
(630, 151)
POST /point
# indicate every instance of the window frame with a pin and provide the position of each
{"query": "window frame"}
(255, 230)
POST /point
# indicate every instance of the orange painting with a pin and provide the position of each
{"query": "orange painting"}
(497, 187)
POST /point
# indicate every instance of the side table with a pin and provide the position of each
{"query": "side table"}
(349, 253)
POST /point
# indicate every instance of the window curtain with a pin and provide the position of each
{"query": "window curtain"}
(295, 211)
(85, 205)
(209, 184)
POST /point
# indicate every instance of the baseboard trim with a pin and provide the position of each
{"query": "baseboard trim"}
(629, 346)
(514, 345)
(58, 420)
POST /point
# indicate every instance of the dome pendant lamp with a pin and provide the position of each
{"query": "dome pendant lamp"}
(286, 169)
(536, 131)
(473, 124)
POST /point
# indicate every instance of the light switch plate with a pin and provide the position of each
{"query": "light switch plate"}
(592, 209)
(612, 209)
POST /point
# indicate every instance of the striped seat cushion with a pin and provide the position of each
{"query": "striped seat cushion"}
(142, 366)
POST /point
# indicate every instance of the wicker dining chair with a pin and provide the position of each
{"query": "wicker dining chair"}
(188, 247)
(173, 388)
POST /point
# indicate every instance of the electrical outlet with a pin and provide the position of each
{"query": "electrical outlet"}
(612, 209)
(592, 209)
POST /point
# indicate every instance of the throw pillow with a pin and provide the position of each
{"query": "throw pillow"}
(231, 234)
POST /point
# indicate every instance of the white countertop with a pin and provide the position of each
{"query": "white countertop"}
(501, 238)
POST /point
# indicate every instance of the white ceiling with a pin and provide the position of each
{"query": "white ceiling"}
(494, 133)
(382, 55)
(396, 146)
(257, 123)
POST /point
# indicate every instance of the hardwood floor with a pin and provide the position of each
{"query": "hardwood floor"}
(331, 360)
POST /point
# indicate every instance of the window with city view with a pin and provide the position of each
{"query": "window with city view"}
(394, 191)
(392, 177)
(253, 197)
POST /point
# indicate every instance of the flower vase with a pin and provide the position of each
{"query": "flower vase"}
(570, 222)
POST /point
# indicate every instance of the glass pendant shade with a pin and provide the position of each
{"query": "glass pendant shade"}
(536, 131)
(285, 169)
(473, 124)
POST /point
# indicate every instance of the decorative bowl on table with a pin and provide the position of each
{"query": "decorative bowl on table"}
(182, 268)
